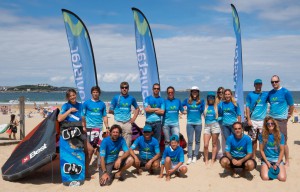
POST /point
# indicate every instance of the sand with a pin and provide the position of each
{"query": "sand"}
(199, 177)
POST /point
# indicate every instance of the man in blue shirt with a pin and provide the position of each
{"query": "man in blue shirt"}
(155, 108)
(93, 116)
(149, 152)
(281, 109)
(256, 110)
(238, 151)
(109, 157)
(120, 107)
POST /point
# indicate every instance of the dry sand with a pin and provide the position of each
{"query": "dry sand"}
(199, 176)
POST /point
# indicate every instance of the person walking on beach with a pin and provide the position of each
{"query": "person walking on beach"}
(194, 108)
(120, 107)
(256, 110)
(110, 159)
(155, 108)
(281, 109)
(238, 152)
(13, 124)
(149, 152)
(170, 119)
(212, 128)
(230, 112)
(221, 140)
(93, 116)
(271, 144)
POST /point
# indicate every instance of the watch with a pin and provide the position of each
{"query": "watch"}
(104, 171)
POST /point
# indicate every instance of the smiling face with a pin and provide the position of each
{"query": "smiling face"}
(238, 130)
(194, 93)
(156, 89)
(275, 82)
(228, 96)
(258, 87)
(95, 95)
(124, 89)
(174, 144)
(72, 97)
(270, 125)
(170, 93)
(115, 134)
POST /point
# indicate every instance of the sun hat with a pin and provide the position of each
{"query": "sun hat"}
(273, 173)
(195, 88)
(257, 81)
(147, 128)
(174, 138)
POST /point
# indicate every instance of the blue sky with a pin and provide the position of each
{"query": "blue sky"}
(194, 42)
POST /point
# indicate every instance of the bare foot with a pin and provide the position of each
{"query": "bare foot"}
(139, 171)
(160, 176)
(212, 162)
(206, 163)
(287, 164)
(168, 177)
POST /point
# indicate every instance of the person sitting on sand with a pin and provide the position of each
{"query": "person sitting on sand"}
(271, 144)
(149, 152)
(109, 156)
(173, 159)
(238, 151)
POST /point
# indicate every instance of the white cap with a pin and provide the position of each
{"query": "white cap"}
(195, 88)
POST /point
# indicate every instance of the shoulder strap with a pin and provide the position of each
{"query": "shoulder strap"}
(255, 104)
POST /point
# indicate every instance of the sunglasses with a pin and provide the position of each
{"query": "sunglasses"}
(155, 88)
(270, 124)
(220, 92)
(147, 131)
(170, 92)
(274, 82)
(124, 87)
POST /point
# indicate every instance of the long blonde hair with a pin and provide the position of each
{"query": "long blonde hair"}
(232, 99)
(218, 100)
(198, 101)
(215, 108)
(266, 131)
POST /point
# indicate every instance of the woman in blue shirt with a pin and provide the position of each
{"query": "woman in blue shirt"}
(271, 145)
(194, 109)
(70, 111)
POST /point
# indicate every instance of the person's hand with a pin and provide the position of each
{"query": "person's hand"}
(269, 165)
(236, 162)
(104, 178)
(131, 121)
(73, 109)
(171, 171)
(275, 166)
(84, 129)
(148, 164)
(118, 163)
(250, 123)
(137, 162)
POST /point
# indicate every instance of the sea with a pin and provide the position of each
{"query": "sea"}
(58, 98)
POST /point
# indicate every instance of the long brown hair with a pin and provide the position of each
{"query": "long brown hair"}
(266, 131)
(198, 101)
(232, 99)
(218, 100)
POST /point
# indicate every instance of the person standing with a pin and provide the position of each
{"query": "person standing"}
(281, 109)
(171, 120)
(194, 109)
(120, 107)
(13, 124)
(155, 108)
(256, 110)
(221, 140)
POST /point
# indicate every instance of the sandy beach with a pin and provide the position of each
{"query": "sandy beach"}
(199, 176)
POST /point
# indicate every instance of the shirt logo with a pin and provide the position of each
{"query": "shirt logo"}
(154, 106)
(239, 148)
(124, 104)
(172, 107)
(114, 152)
(96, 110)
(274, 99)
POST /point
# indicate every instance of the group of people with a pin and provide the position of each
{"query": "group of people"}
(222, 116)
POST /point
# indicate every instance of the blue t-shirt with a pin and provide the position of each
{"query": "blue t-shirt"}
(94, 111)
(210, 116)
(176, 155)
(172, 111)
(280, 100)
(154, 102)
(147, 148)
(110, 149)
(194, 111)
(229, 112)
(271, 150)
(238, 148)
(260, 110)
(121, 105)
(73, 116)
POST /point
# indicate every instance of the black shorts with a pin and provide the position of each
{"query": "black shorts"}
(143, 161)
(241, 166)
(14, 129)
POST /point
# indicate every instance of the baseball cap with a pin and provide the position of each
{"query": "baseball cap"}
(174, 137)
(258, 81)
(273, 173)
(147, 128)
(195, 88)
(211, 94)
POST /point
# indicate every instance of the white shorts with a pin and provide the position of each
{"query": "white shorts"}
(174, 165)
(213, 128)
(256, 126)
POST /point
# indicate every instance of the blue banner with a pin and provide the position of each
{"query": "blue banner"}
(238, 62)
(82, 56)
(145, 52)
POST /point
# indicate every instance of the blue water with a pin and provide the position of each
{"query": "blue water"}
(59, 97)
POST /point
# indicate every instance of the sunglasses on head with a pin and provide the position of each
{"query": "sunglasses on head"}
(274, 82)
(124, 87)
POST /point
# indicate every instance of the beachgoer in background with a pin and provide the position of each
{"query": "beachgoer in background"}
(173, 159)
(170, 119)
(212, 128)
(271, 144)
(155, 109)
(194, 108)
(13, 126)
(121, 108)
(221, 140)
(149, 152)
(109, 157)
(93, 116)
(230, 112)
(238, 151)
(256, 110)
(281, 109)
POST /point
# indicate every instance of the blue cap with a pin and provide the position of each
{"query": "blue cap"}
(174, 137)
(211, 94)
(273, 173)
(147, 128)
(258, 81)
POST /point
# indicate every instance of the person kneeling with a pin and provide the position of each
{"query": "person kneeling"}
(149, 151)
(238, 151)
(109, 160)
(173, 159)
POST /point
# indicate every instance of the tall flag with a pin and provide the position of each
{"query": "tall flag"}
(82, 56)
(238, 62)
(145, 52)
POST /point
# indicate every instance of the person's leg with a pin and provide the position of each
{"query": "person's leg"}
(175, 130)
(183, 170)
(190, 136)
(282, 174)
(166, 130)
(206, 144)
(198, 129)
(109, 168)
(215, 137)
(283, 129)
(89, 150)
(168, 165)
(156, 127)
(250, 164)
(124, 166)
(127, 133)
(226, 130)
(264, 172)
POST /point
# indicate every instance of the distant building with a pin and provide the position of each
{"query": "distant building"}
(43, 85)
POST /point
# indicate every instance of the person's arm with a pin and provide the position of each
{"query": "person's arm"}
(290, 102)
(135, 114)
(175, 168)
(83, 123)
(105, 120)
(112, 106)
(149, 163)
(124, 156)
(263, 155)
(131, 151)
(280, 157)
(291, 110)
(238, 112)
(105, 177)
(63, 116)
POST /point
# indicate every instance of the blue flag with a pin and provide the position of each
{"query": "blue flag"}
(82, 56)
(145, 52)
(238, 63)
